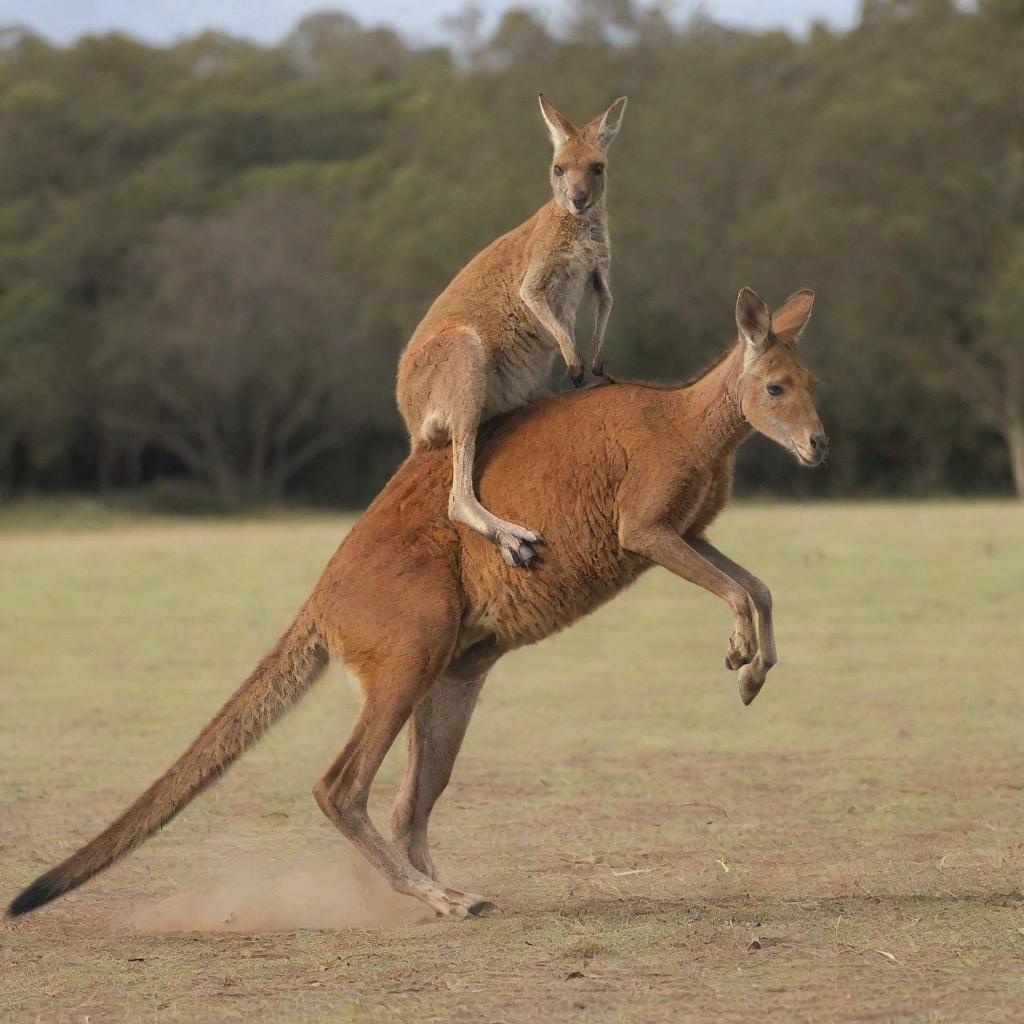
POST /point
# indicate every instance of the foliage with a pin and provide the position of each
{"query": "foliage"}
(211, 254)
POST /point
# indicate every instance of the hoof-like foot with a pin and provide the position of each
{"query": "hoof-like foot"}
(445, 901)
(751, 679)
(463, 905)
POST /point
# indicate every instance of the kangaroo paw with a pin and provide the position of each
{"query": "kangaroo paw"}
(741, 650)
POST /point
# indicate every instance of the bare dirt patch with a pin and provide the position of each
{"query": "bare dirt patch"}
(338, 890)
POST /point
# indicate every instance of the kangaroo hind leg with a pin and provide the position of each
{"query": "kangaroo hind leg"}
(516, 543)
(394, 682)
(461, 384)
(436, 733)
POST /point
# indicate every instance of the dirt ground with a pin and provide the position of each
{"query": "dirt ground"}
(849, 848)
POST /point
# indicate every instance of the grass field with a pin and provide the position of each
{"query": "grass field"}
(848, 848)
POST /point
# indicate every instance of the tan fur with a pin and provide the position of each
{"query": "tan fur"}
(620, 477)
(487, 344)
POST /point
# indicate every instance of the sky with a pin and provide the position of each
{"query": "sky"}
(162, 21)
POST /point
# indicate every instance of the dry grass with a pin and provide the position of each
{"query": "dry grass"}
(863, 820)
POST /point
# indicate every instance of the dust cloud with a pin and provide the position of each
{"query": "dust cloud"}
(336, 891)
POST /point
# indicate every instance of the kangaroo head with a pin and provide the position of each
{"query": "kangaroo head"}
(581, 156)
(775, 389)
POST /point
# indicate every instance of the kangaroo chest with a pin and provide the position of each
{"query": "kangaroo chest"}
(704, 498)
(522, 366)
(573, 270)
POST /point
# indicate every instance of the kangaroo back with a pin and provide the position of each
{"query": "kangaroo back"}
(280, 679)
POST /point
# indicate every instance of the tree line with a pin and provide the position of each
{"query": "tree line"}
(211, 254)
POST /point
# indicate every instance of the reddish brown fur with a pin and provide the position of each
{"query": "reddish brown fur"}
(487, 344)
(619, 477)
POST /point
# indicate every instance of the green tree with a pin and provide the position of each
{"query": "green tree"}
(230, 352)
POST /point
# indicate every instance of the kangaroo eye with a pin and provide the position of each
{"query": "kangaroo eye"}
(775, 389)
(598, 168)
(559, 170)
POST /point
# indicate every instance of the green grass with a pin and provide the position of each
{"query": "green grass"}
(864, 818)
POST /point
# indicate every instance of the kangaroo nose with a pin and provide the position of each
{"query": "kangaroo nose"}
(819, 443)
(579, 202)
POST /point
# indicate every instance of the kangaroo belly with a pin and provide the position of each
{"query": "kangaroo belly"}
(571, 577)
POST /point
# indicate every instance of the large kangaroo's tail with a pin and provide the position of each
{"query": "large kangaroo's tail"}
(278, 681)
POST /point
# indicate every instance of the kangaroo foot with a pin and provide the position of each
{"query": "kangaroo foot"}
(445, 901)
(467, 904)
(515, 542)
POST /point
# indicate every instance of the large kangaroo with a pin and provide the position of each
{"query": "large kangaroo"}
(487, 344)
(620, 477)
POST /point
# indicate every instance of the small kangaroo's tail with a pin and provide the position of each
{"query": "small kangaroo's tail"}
(280, 679)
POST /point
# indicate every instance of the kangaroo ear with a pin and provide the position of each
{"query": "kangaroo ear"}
(603, 129)
(754, 322)
(560, 128)
(790, 319)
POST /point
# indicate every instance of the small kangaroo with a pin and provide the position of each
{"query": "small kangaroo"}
(487, 344)
(420, 611)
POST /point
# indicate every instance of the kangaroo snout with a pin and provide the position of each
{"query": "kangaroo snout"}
(817, 450)
(579, 202)
(813, 451)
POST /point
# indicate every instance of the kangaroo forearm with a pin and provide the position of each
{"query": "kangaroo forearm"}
(599, 282)
(759, 594)
(564, 341)
(537, 304)
(604, 309)
(660, 544)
